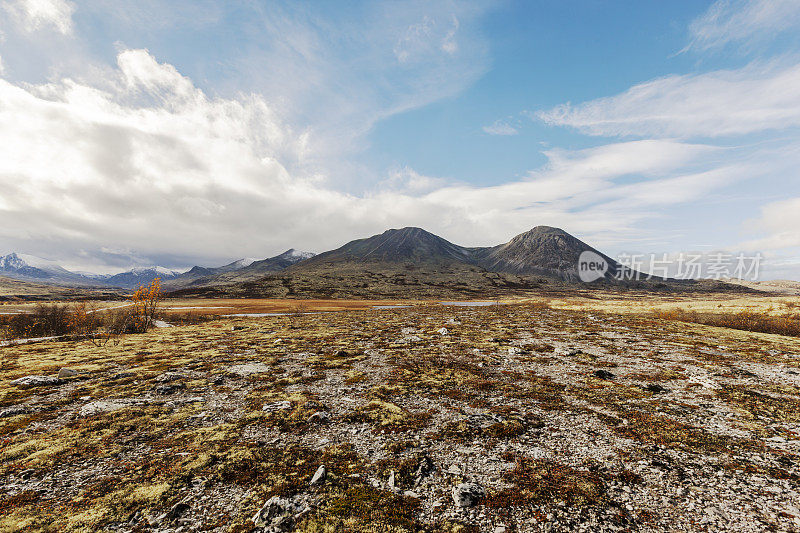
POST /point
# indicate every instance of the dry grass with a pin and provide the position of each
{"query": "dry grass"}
(785, 324)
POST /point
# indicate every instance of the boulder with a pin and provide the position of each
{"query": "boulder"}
(65, 373)
(468, 494)
(280, 514)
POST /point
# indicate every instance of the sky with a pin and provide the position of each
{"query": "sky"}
(196, 132)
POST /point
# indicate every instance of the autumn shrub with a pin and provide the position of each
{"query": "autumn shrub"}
(144, 310)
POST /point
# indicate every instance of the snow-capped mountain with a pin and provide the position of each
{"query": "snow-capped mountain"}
(31, 268)
(140, 276)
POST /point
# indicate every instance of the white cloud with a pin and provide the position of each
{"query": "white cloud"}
(743, 21)
(35, 15)
(779, 220)
(500, 127)
(754, 98)
(151, 164)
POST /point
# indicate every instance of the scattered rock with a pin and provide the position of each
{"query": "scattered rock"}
(319, 476)
(36, 381)
(283, 405)
(169, 388)
(468, 494)
(391, 482)
(604, 374)
(238, 328)
(14, 410)
(442, 331)
(65, 373)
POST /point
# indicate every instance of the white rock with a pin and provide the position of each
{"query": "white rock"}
(283, 405)
(319, 475)
(35, 381)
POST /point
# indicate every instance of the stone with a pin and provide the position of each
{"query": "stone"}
(391, 484)
(283, 405)
(442, 331)
(65, 373)
(36, 381)
(655, 388)
(319, 476)
(468, 494)
(604, 374)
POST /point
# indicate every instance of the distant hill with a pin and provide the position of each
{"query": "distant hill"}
(139, 276)
(240, 271)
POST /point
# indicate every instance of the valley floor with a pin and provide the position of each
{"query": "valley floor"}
(528, 416)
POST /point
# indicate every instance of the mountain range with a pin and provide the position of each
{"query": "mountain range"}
(412, 262)
(30, 268)
(407, 262)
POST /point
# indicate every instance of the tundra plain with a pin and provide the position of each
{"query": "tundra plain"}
(540, 414)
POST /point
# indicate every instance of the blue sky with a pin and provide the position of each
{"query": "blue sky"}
(177, 132)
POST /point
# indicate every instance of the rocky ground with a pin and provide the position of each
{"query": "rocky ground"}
(429, 418)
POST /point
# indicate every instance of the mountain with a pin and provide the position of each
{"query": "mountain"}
(139, 276)
(35, 269)
(414, 245)
(239, 271)
(542, 251)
